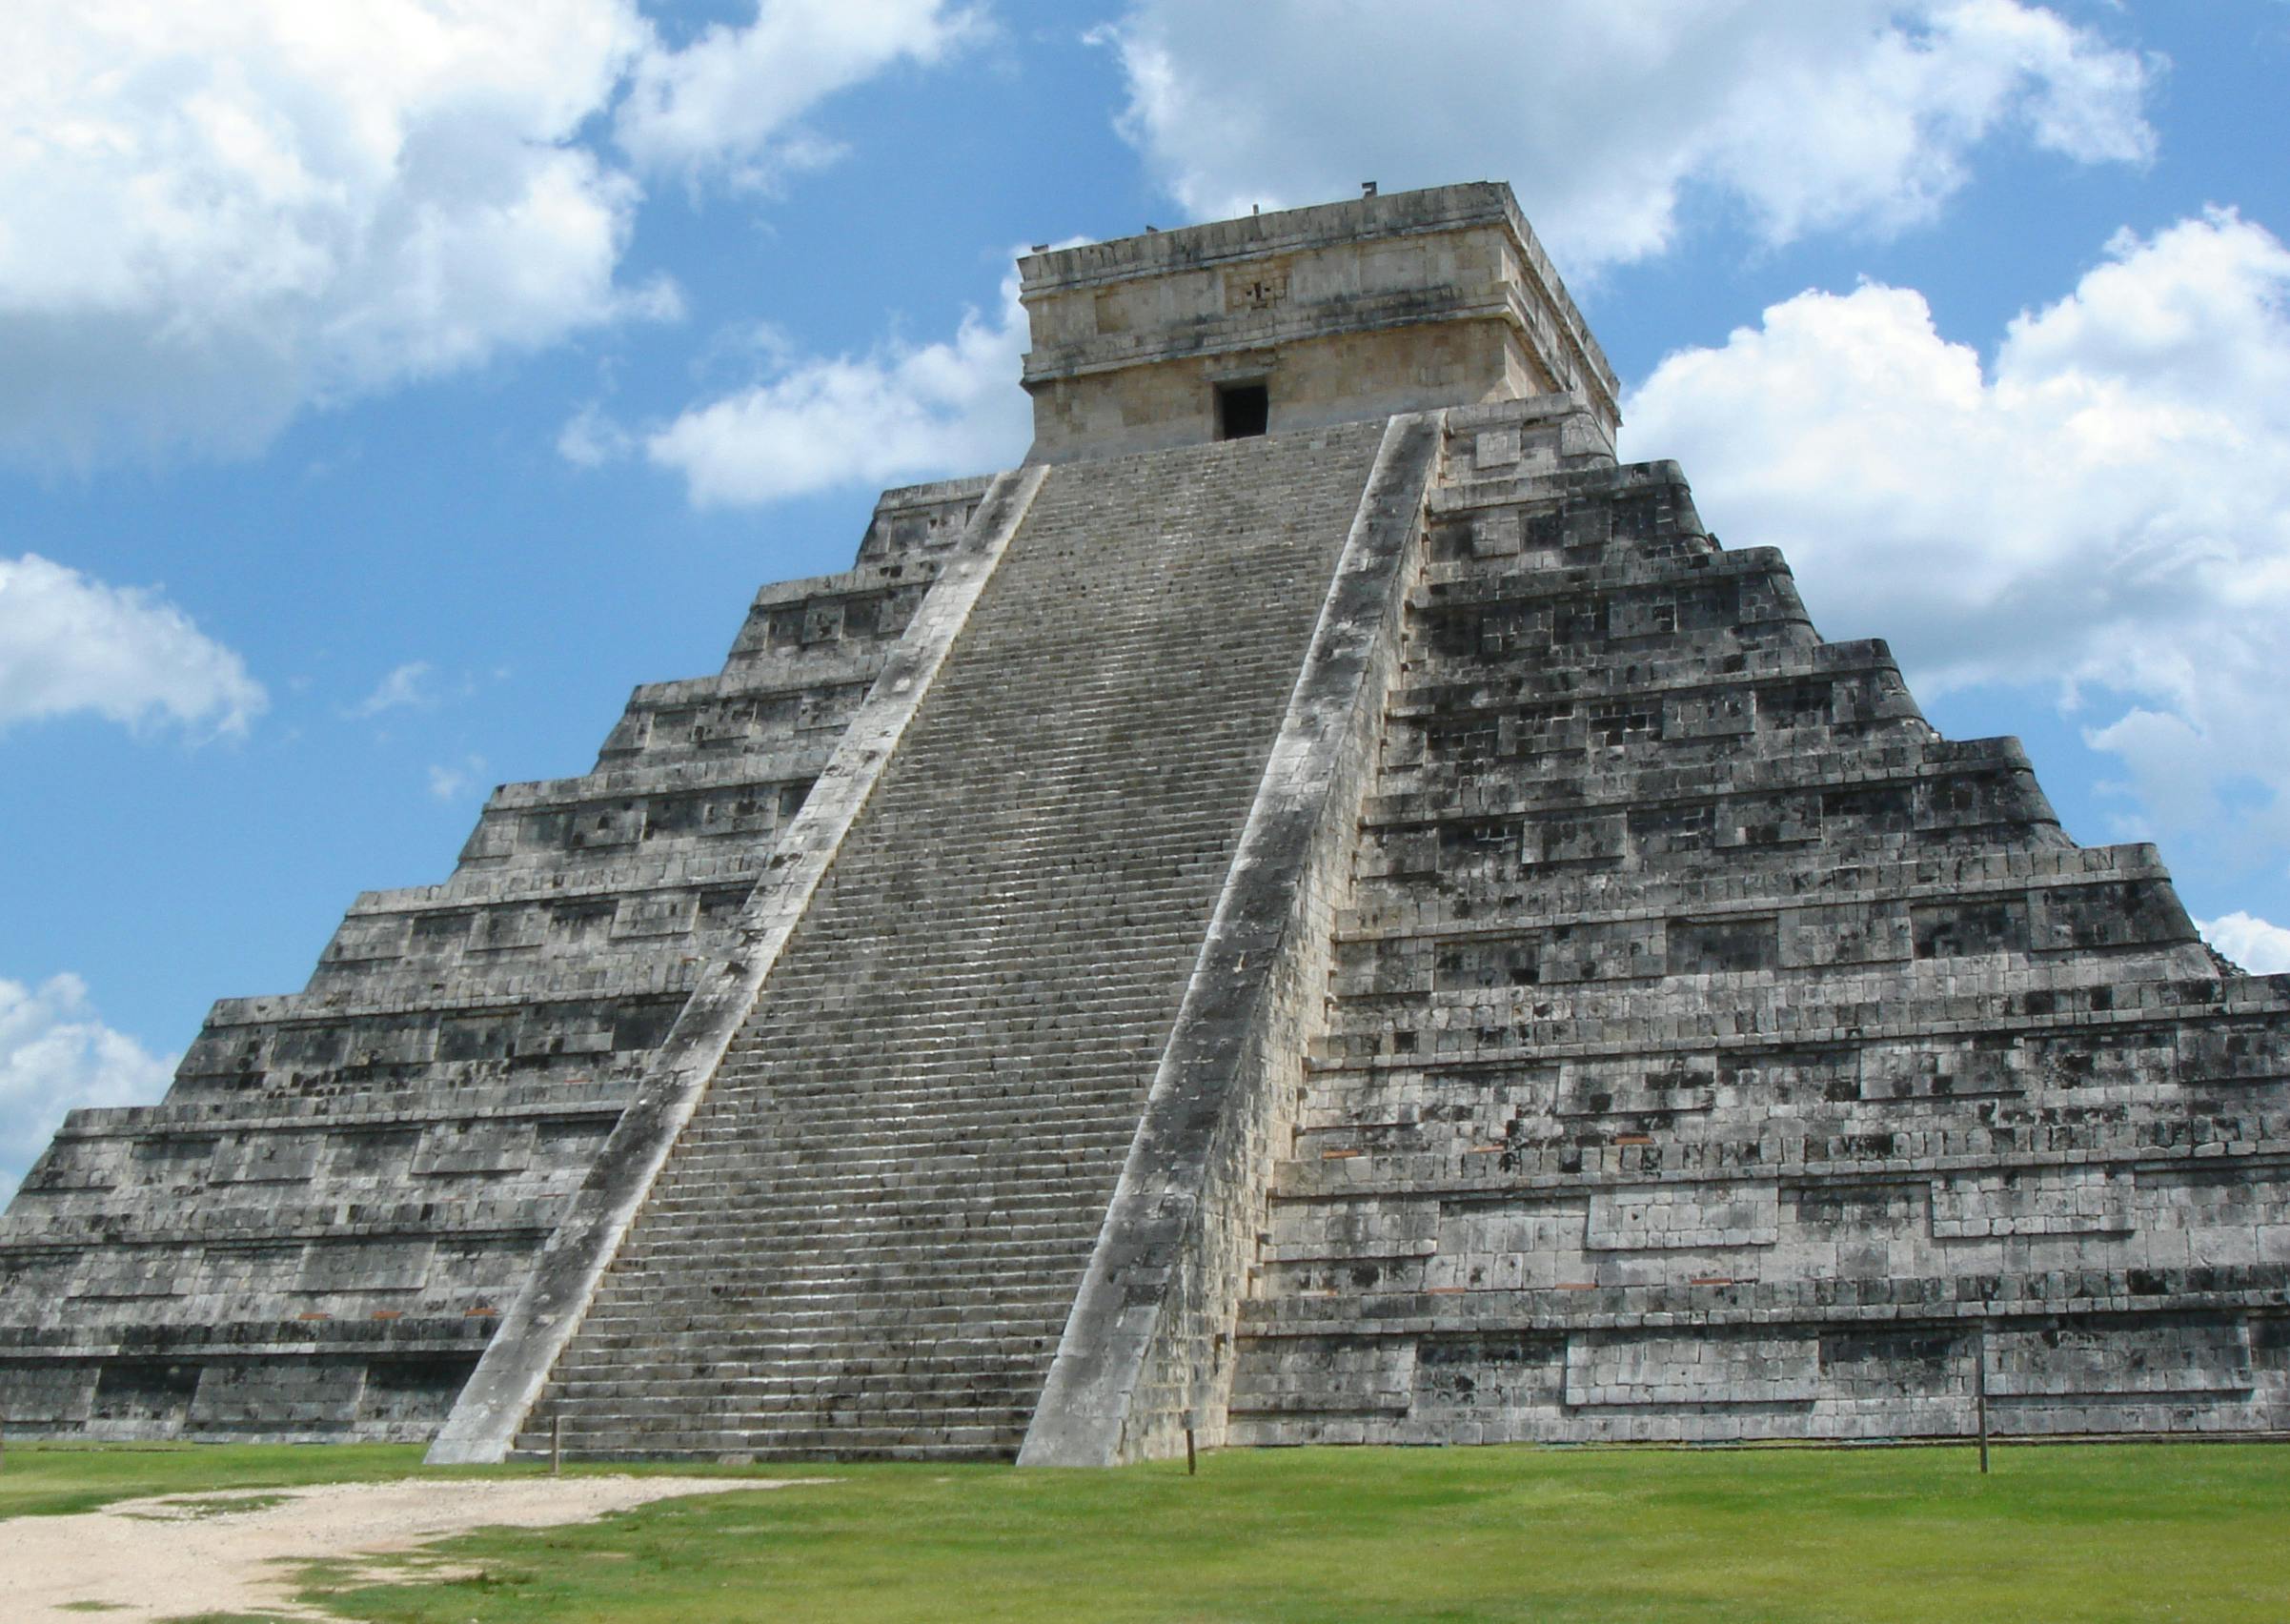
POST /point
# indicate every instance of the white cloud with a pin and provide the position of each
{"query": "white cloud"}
(216, 213)
(903, 413)
(405, 687)
(447, 782)
(591, 440)
(733, 98)
(70, 644)
(2261, 948)
(216, 210)
(1811, 115)
(2105, 507)
(55, 1056)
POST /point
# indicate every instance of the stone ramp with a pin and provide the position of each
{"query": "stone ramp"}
(868, 1238)
(1717, 1050)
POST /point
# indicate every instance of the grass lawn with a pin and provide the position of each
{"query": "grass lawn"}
(2179, 1532)
(50, 1479)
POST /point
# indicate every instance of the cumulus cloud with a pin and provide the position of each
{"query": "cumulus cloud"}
(733, 99)
(902, 413)
(1809, 114)
(447, 782)
(2261, 948)
(2104, 506)
(215, 213)
(56, 1055)
(70, 645)
(591, 440)
(409, 686)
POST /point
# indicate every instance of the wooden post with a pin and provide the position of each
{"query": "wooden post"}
(1980, 1392)
(1191, 1464)
(557, 1446)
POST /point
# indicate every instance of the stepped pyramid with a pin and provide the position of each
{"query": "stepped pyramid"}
(1321, 908)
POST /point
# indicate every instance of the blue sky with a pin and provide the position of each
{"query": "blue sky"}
(385, 390)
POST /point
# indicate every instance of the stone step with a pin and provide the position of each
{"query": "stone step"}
(1077, 793)
(984, 1182)
(882, 1401)
(979, 1349)
(872, 1220)
(640, 1339)
(784, 1279)
(979, 1441)
(796, 1093)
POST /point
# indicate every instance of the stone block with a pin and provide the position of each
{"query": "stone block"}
(2187, 1356)
(2035, 1201)
(1715, 1370)
(1703, 1218)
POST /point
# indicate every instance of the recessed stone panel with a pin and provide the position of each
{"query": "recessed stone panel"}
(277, 1395)
(1667, 1217)
(136, 1397)
(267, 1158)
(2064, 1360)
(2032, 1201)
(474, 1147)
(1716, 1370)
(1637, 1084)
(1488, 1375)
(1943, 1068)
(137, 1272)
(364, 1265)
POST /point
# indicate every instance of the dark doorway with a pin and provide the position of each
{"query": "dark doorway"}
(1243, 409)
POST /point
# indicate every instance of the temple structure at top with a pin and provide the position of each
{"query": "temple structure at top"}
(1320, 907)
(1300, 320)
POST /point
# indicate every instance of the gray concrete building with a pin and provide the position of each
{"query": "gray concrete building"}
(1322, 907)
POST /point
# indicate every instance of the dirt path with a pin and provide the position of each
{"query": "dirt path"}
(235, 1551)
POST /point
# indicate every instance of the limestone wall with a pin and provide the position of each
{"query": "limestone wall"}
(1720, 1053)
(315, 1233)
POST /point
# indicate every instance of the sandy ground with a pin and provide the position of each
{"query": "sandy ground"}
(184, 1553)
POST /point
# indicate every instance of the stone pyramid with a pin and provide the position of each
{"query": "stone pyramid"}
(1321, 908)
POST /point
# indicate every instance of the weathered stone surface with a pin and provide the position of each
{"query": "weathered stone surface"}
(1716, 1052)
(1344, 312)
(1144, 1354)
(1379, 931)
(555, 1300)
(317, 1231)
(870, 1234)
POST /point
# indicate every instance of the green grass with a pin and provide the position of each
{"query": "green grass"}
(50, 1480)
(2180, 1531)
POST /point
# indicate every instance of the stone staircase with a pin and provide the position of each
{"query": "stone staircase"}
(868, 1237)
